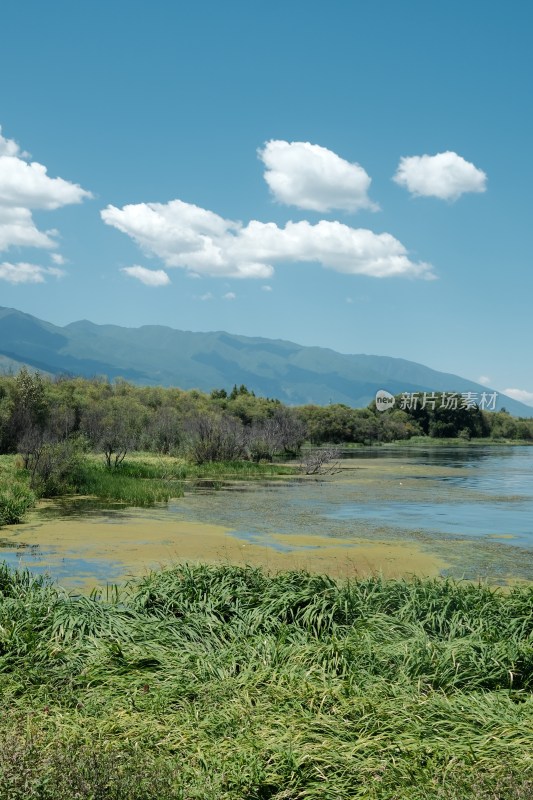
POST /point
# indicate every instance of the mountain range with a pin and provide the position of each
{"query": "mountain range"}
(158, 355)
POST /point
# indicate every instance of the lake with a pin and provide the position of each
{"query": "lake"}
(465, 511)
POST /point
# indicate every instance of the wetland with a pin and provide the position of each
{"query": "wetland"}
(463, 512)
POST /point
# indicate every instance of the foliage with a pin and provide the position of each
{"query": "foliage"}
(115, 419)
(215, 437)
(227, 683)
(113, 426)
(15, 500)
(16, 496)
(125, 486)
(53, 466)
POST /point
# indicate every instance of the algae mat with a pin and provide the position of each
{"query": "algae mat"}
(81, 553)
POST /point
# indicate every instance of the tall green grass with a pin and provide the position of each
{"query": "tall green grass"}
(144, 465)
(229, 683)
(142, 480)
(15, 500)
(133, 487)
(16, 496)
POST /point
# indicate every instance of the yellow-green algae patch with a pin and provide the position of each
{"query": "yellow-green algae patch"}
(82, 551)
(358, 557)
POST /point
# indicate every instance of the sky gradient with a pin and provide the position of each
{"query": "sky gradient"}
(354, 175)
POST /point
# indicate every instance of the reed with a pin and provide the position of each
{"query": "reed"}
(230, 683)
(16, 496)
(135, 489)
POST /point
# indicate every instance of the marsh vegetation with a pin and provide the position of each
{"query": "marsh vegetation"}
(226, 683)
(77, 436)
(231, 682)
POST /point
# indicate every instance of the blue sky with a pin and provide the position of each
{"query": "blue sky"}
(355, 175)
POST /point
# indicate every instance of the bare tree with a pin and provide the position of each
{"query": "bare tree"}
(321, 461)
(114, 427)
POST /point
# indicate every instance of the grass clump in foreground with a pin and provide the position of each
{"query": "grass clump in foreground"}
(226, 683)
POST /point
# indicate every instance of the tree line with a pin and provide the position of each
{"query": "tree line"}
(42, 418)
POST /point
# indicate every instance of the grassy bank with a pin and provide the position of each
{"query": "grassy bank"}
(145, 479)
(136, 483)
(229, 684)
(141, 480)
(147, 465)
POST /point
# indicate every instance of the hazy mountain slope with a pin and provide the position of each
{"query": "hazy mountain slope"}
(155, 354)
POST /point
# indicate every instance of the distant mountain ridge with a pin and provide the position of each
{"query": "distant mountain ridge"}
(159, 355)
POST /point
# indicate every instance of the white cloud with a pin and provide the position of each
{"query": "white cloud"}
(312, 177)
(17, 229)
(57, 258)
(24, 187)
(8, 147)
(444, 175)
(184, 235)
(56, 272)
(266, 288)
(520, 394)
(28, 186)
(27, 273)
(229, 296)
(150, 277)
(206, 296)
(484, 379)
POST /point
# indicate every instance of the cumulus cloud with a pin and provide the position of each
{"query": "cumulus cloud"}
(312, 177)
(24, 187)
(17, 229)
(150, 277)
(8, 147)
(520, 394)
(57, 258)
(27, 273)
(444, 175)
(28, 185)
(484, 379)
(184, 235)
(229, 296)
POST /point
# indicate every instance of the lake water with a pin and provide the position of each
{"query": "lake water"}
(501, 477)
(465, 512)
